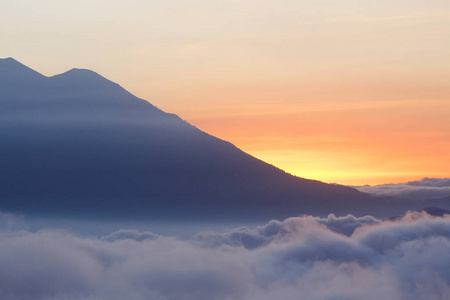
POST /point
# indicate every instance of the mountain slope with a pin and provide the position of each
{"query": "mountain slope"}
(77, 143)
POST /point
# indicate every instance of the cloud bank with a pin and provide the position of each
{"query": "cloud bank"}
(427, 188)
(298, 258)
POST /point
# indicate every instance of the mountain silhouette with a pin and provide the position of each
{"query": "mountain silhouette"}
(77, 143)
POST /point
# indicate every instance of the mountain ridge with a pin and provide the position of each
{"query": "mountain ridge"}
(71, 145)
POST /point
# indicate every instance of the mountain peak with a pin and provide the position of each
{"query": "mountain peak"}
(8, 60)
(11, 68)
(82, 71)
(77, 76)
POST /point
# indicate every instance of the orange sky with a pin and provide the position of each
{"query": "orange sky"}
(353, 92)
(379, 143)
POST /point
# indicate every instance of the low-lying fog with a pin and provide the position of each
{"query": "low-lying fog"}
(297, 258)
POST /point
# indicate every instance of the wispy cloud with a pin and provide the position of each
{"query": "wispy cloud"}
(273, 109)
(415, 16)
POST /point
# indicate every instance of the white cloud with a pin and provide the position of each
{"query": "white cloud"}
(427, 188)
(298, 258)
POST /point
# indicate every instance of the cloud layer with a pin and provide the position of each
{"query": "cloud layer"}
(298, 258)
(427, 188)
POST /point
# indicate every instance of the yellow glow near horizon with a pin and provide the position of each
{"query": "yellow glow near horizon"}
(371, 143)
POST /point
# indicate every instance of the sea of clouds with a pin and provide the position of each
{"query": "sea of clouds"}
(427, 188)
(298, 258)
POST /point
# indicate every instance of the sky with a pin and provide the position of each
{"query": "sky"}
(353, 92)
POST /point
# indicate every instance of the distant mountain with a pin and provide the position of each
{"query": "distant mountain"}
(77, 143)
(436, 212)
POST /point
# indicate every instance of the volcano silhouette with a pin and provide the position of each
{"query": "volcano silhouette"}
(77, 143)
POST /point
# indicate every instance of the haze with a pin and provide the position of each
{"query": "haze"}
(353, 92)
